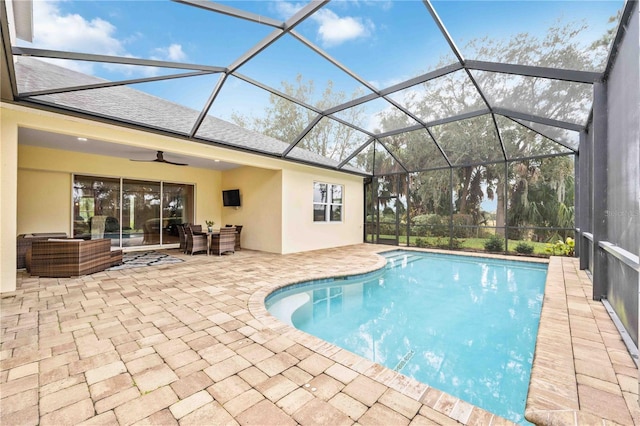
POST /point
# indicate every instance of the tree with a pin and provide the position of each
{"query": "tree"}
(285, 120)
(469, 142)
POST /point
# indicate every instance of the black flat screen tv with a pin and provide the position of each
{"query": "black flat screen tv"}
(231, 198)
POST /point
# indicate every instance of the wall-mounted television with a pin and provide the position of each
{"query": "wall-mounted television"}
(231, 198)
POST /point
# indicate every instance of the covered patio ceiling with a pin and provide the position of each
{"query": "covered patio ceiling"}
(423, 84)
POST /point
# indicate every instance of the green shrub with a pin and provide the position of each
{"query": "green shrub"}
(495, 243)
(561, 248)
(524, 248)
(456, 244)
(422, 243)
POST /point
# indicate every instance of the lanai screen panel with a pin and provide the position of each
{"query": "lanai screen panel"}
(566, 35)
(568, 138)
(135, 103)
(415, 150)
(330, 140)
(288, 62)
(520, 141)
(159, 30)
(363, 160)
(256, 109)
(469, 141)
(559, 100)
(450, 95)
(376, 116)
(258, 75)
(395, 41)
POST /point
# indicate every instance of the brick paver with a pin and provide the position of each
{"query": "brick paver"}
(192, 344)
(190, 404)
(265, 413)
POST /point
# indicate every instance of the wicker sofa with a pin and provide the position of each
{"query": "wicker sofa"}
(69, 258)
(24, 241)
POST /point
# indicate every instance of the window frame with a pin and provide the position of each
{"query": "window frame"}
(329, 204)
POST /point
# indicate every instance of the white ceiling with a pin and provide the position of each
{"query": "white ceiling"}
(45, 139)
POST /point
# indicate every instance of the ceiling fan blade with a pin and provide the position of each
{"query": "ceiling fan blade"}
(171, 162)
(160, 159)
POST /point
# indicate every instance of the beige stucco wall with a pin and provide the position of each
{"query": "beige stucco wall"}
(44, 201)
(8, 200)
(260, 212)
(297, 211)
(277, 202)
(44, 184)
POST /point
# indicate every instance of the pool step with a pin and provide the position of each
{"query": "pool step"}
(400, 259)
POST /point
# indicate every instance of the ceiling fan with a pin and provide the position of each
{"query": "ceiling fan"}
(160, 159)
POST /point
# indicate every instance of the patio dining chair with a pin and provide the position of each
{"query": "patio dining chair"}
(225, 241)
(195, 242)
(238, 231)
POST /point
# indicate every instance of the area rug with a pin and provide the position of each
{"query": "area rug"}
(137, 259)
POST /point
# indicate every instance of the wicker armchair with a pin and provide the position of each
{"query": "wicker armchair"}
(225, 241)
(195, 242)
(183, 236)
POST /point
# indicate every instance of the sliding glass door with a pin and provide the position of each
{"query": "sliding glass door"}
(150, 213)
(140, 212)
(177, 207)
(96, 208)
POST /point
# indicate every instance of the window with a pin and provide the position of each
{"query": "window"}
(327, 202)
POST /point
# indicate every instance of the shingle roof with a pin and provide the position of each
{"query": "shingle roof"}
(126, 104)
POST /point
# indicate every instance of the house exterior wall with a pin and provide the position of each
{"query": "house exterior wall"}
(44, 200)
(260, 213)
(8, 200)
(300, 232)
(45, 185)
(35, 189)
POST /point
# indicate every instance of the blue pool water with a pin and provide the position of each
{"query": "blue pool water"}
(464, 325)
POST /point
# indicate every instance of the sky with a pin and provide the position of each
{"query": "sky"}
(384, 42)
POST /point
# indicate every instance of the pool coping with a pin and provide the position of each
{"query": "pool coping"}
(553, 397)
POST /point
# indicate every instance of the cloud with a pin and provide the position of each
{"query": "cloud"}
(172, 52)
(335, 30)
(286, 9)
(71, 32)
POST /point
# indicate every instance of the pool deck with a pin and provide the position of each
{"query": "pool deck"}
(192, 344)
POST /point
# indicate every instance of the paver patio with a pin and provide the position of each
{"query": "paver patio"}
(192, 344)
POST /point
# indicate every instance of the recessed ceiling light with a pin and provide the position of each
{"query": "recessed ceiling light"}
(217, 161)
(82, 139)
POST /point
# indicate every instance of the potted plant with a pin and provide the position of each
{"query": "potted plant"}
(210, 224)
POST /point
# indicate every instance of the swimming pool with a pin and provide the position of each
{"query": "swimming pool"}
(464, 325)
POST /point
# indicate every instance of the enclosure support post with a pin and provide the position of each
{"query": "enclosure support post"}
(577, 208)
(450, 207)
(599, 189)
(506, 203)
(583, 179)
(408, 209)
